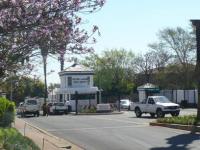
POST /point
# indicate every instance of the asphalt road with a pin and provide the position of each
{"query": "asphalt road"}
(117, 132)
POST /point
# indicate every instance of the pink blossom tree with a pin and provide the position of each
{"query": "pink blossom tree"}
(32, 27)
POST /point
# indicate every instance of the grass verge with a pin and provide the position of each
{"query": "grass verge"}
(11, 139)
(183, 120)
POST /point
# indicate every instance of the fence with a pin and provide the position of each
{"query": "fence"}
(177, 96)
(43, 139)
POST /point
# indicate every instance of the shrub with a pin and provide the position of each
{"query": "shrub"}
(7, 112)
(89, 109)
(11, 139)
(184, 120)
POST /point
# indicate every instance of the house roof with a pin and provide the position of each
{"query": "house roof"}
(148, 87)
(76, 69)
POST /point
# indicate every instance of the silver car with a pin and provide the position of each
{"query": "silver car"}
(125, 103)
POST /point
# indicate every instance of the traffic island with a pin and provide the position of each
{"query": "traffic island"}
(191, 128)
(189, 123)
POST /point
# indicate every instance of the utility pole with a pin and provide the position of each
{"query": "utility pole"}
(196, 23)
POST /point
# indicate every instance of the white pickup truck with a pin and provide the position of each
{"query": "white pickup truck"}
(156, 105)
(58, 108)
(29, 106)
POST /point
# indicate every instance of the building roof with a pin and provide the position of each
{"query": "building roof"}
(148, 87)
(76, 69)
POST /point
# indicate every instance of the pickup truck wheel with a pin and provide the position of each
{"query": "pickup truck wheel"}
(138, 112)
(174, 113)
(22, 114)
(160, 113)
(152, 115)
(38, 114)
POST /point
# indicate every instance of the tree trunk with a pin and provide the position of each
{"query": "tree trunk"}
(45, 77)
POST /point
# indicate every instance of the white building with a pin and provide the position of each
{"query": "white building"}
(77, 78)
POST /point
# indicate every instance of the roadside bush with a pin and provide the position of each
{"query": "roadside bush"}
(89, 109)
(11, 139)
(7, 112)
(184, 120)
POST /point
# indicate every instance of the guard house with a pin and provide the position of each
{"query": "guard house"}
(146, 90)
(77, 78)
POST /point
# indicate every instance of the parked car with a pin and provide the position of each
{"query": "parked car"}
(156, 105)
(125, 104)
(29, 106)
(58, 108)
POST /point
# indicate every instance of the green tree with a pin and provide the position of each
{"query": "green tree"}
(114, 71)
(180, 43)
(23, 87)
(144, 65)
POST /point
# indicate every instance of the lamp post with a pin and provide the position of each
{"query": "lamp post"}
(76, 101)
(196, 23)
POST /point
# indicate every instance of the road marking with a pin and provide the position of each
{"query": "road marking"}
(79, 129)
(124, 121)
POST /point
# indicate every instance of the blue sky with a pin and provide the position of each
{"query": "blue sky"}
(133, 24)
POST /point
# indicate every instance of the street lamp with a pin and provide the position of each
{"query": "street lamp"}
(196, 23)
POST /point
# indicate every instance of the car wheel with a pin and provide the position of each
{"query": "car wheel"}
(22, 114)
(66, 112)
(174, 113)
(160, 113)
(138, 112)
(152, 115)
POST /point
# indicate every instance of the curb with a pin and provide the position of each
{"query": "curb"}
(191, 128)
(115, 113)
(51, 135)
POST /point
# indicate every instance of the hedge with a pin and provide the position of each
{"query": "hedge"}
(7, 112)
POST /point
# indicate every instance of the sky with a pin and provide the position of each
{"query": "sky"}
(132, 25)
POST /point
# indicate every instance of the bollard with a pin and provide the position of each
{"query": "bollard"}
(43, 144)
(24, 128)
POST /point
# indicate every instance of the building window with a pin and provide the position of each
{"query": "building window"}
(69, 81)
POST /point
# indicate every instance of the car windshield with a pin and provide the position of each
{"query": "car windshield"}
(31, 102)
(162, 99)
(124, 101)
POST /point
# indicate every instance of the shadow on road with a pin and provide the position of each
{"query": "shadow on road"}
(179, 142)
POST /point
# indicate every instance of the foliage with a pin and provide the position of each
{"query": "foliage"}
(169, 62)
(11, 139)
(7, 112)
(144, 64)
(89, 109)
(184, 120)
(51, 26)
(178, 45)
(161, 55)
(114, 71)
(23, 87)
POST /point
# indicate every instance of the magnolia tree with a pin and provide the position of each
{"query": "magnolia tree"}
(32, 27)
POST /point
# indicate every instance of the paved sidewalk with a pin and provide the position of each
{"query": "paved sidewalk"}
(43, 139)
